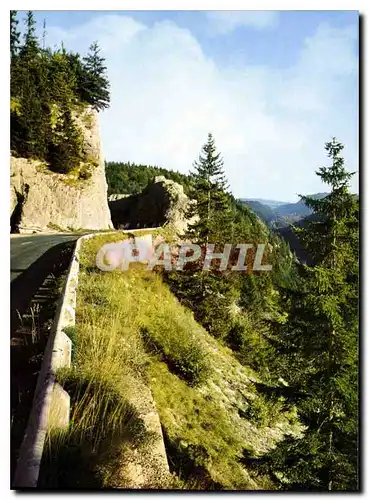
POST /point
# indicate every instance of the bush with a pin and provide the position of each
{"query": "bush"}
(183, 354)
(263, 411)
(248, 339)
(84, 172)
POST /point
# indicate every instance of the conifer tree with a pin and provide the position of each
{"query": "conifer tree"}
(46, 88)
(65, 148)
(75, 64)
(95, 85)
(30, 47)
(209, 293)
(320, 343)
(210, 192)
(14, 33)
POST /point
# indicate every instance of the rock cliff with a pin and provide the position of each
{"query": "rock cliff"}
(41, 199)
(162, 201)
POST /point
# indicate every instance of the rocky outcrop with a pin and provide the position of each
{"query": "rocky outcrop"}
(161, 202)
(41, 199)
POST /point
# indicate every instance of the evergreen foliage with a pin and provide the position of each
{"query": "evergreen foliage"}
(30, 47)
(318, 351)
(49, 88)
(297, 324)
(215, 296)
(14, 33)
(210, 192)
(130, 178)
(95, 86)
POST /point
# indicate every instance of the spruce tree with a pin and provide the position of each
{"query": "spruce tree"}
(14, 33)
(209, 293)
(75, 64)
(30, 47)
(210, 192)
(95, 88)
(65, 147)
(46, 88)
(320, 343)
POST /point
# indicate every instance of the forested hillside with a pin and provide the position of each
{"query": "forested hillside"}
(263, 211)
(252, 360)
(130, 178)
(49, 89)
(296, 325)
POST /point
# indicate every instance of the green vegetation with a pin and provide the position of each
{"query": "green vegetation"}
(318, 346)
(296, 324)
(130, 329)
(29, 334)
(186, 358)
(129, 178)
(209, 191)
(91, 452)
(50, 89)
(239, 307)
(263, 211)
(254, 374)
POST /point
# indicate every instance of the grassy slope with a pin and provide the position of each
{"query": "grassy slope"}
(129, 325)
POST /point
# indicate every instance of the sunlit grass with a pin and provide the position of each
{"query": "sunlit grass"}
(130, 326)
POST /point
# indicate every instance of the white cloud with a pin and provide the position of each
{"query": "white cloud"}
(224, 22)
(269, 124)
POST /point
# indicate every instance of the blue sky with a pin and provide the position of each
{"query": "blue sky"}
(273, 47)
(272, 87)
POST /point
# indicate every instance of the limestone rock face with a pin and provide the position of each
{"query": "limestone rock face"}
(161, 202)
(41, 199)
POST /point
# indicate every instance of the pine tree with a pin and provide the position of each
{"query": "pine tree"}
(65, 147)
(75, 64)
(14, 33)
(209, 293)
(210, 192)
(46, 88)
(62, 81)
(30, 48)
(28, 123)
(16, 70)
(320, 343)
(95, 87)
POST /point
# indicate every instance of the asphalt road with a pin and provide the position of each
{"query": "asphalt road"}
(32, 259)
(26, 250)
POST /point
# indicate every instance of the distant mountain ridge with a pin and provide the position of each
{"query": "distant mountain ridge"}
(280, 214)
(270, 203)
(265, 212)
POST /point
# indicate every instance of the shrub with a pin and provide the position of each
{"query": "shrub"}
(182, 353)
(263, 411)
